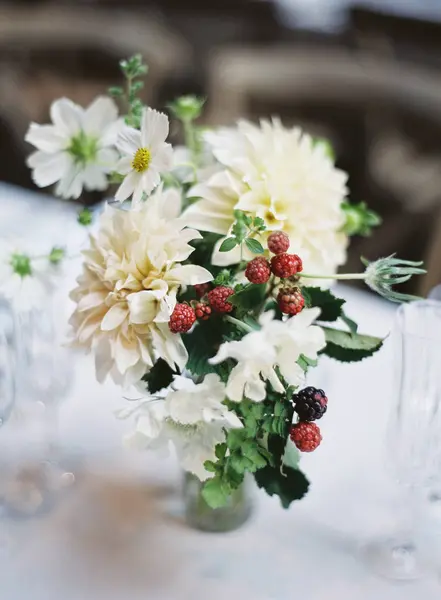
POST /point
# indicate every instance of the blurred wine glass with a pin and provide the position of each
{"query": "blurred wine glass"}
(413, 445)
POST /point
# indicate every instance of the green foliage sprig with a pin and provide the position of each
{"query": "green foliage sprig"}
(133, 69)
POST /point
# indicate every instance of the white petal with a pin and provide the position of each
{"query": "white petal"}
(143, 307)
(154, 128)
(99, 115)
(275, 381)
(94, 178)
(109, 135)
(91, 300)
(236, 383)
(48, 168)
(162, 161)
(139, 191)
(129, 141)
(127, 187)
(124, 165)
(114, 317)
(255, 389)
(171, 204)
(67, 116)
(103, 360)
(189, 274)
(71, 185)
(46, 138)
(107, 159)
(150, 179)
(125, 353)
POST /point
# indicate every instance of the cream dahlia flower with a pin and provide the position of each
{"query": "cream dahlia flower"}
(145, 155)
(281, 176)
(77, 149)
(132, 273)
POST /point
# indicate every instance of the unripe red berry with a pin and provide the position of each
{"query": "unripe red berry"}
(258, 270)
(290, 300)
(306, 436)
(278, 242)
(182, 318)
(218, 299)
(286, 265)
(202, 311)
(201, 289)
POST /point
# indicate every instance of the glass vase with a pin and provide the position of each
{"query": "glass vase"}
(227, 518)
(413, 442)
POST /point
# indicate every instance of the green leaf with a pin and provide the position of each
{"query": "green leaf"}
(305, 362)
(291, 456)
(228, 244)
(160, 376)
(235, 438)
(353, 327)
(249, 297)
(210, 466)
(330, 305)
(84, 216)
(116, 91)
(254, 246)
(350, 347)
(214, 492)
(220, 451)
(241, 464)
(187, 108)
(289, 484)
(259, 224)
(360, 220)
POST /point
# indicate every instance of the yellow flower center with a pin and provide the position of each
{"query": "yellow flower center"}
(141, 160)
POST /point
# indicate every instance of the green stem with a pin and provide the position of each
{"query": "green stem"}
(240, 324)
(190, 139)
(129, 104)
(341, 276)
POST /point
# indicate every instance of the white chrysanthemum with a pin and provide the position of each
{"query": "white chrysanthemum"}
(145, 155)
(276, 344)
(25, 282)
(127, 292)
(281, 176)
(192, 417)
(78, 149)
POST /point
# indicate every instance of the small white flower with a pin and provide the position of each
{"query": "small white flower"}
(276, 344)
(23, 281)
(145, 155)
(77, 149)
(192, 417)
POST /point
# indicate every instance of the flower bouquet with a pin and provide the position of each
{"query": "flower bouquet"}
(207, 281)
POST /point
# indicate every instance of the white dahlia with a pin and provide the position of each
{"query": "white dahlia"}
(77, 149)
(127, 291)
(282, 176)
(192, 417)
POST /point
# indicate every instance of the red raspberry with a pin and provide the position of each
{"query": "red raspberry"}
(290, 300)
(278, 242)
(258, 270)
(286, 265)
(306, 436)
(201, 289)
(203, 311)
(218, 299)
(182, 318)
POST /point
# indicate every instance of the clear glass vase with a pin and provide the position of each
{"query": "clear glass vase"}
(413, 441)
(227, 518)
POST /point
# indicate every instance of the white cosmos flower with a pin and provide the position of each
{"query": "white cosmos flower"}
(276, 344)
(24, 281)
(145, 155)
(280, 175)
(77, 149)
(192, 417)
(132, 273)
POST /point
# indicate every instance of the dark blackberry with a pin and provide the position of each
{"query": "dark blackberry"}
(310, 404)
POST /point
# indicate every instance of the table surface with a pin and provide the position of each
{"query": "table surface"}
(119, 533)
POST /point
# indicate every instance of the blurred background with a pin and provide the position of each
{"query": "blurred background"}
(365, 74)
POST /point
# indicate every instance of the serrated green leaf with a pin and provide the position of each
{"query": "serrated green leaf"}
(249, 297)
(254, 246)
(235, 438)
(214, 492)
(353, 327)
(330, 305)
(220, 451)
(228, 244)
(160, 376)
(289, 484)
(350, 347)
(210, 466)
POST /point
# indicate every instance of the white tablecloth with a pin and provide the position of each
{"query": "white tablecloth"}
(118, 532)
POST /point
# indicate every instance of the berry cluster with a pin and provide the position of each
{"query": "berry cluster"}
(282, 265)
(215, 300)
(310, 404)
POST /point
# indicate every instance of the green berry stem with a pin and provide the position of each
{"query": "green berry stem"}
(240, 324)
(338, 276)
